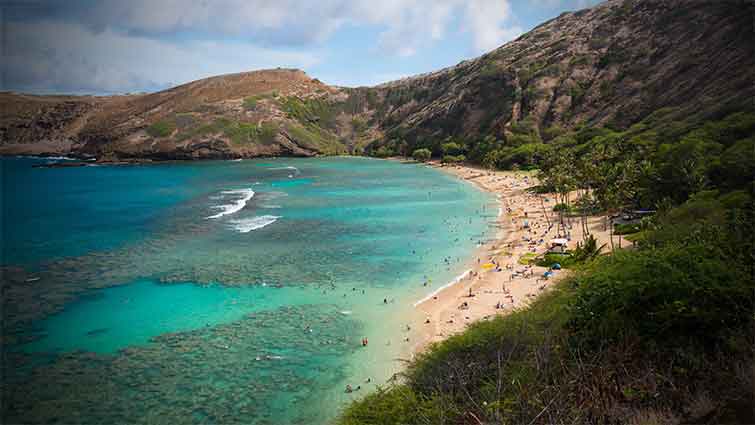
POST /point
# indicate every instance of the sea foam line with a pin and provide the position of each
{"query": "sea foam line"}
(458, 279)
(235, 206)
(248, 224)
(296, 170)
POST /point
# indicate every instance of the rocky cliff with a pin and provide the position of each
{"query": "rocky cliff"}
(611, 65)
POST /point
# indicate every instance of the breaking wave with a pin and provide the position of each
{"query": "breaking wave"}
(248, 224)
(243, 196)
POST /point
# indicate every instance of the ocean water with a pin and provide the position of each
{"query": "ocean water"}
(224, 291)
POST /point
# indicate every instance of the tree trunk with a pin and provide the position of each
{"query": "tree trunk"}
(610, 233)
(545, 213)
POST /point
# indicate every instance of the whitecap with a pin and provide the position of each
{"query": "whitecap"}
(248, 224)
(296, 170)
(235, 206)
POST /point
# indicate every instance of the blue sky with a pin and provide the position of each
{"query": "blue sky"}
(102, 47)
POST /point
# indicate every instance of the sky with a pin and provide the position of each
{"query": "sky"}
(127, 46)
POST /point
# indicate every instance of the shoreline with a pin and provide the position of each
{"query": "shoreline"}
(496, 281)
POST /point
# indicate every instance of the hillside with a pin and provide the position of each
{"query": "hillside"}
(237, 115)
(611, 65)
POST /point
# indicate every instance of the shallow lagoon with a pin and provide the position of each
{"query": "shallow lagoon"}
(127, 276)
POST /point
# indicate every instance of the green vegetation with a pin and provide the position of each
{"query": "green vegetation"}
(359, 126)
(315, 138)
(549, 260)
(660, 333)
(383, 152)
(250, 103)
(422, 155)
(162, 128)
(317, 123)
(310, 111)
(453, 159)
(240, 133)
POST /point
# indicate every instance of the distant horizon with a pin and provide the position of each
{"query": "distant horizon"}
(112, 48)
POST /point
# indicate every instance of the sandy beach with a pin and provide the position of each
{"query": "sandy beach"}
(496, 282)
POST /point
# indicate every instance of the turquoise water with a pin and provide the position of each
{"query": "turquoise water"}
(231, 292)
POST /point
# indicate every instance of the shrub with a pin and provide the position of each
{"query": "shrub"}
(309, 111)
(250, 103)
(451, 148)
(453, 159)
(161, 128)
(383, 152)
(626, 229)
(676, 292)
(422, 155)
(397, 404)
(564, 260)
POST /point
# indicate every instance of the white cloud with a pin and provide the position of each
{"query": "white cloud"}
(486, 20)
(68, 57)
(407, 25)
(116, 46)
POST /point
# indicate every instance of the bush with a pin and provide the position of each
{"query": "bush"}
(674, 293)
(397, 404)
(451, 148)
(161, 128)
(627, 229)
(383, 152)
(564, 260)
(422, 155)
(250, 103)
(453, 159)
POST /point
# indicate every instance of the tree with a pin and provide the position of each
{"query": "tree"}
(451, 148)
(422, 155)
(451, 159)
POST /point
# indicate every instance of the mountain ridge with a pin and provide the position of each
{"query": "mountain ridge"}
(610, 65)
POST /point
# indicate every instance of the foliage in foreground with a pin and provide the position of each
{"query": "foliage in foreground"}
(656, 335)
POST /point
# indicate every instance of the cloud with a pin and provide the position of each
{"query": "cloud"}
(487, 19)
(405, 25)
(116, 46)
(64, 57)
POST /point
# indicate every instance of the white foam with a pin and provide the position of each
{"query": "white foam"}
(248, 224)
(458, 279)
(296, 170)
(235, 206)
(500, 212)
